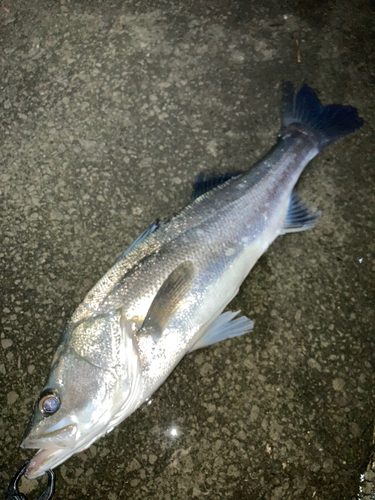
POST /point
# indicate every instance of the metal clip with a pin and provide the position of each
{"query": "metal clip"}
(13, 493)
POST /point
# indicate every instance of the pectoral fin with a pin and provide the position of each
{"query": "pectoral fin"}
(168, 300)
(225, 327)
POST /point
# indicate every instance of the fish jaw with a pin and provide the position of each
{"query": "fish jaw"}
(61, 435)
(46, 459)
(50, 455)
(54, 446)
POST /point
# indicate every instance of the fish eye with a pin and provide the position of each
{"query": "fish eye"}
(49, 401)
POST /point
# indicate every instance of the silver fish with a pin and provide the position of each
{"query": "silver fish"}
(165, 296)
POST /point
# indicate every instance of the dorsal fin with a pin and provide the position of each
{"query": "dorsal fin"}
(168, 300)
(151, 229)
(204, 183)
(91, 304)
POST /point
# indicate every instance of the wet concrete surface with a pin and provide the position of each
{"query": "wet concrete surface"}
(108, 111)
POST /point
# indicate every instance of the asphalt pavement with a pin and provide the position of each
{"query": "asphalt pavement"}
(108, 110)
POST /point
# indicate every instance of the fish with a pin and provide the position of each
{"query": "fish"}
(165, 296)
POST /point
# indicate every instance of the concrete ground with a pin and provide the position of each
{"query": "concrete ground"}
(107, 112)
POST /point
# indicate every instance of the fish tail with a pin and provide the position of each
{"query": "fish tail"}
(327, 123)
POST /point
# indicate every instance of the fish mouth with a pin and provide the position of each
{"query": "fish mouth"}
(54, 448)
(46, 459)
(53, 440)
(55, 445)
(50, 456)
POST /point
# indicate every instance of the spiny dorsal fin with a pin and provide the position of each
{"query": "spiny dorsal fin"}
(299, 216)
(204, 183)
(168, 300)
(91, 305)
(151, 228)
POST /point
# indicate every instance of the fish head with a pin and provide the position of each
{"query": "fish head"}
(85, 390)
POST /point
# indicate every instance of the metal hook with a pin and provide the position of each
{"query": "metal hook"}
(12, 492)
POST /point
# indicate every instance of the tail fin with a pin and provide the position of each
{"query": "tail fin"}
(328, 123)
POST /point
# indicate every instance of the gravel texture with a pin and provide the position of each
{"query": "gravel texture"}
(108, 111)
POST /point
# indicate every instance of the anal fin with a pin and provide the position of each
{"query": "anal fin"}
(225, 327)
(299, 216)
